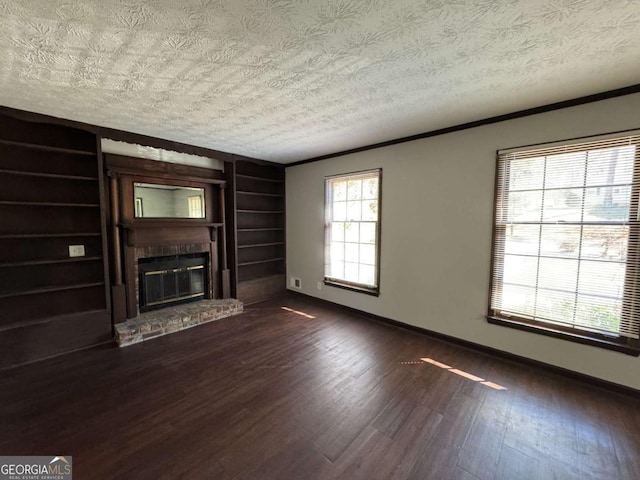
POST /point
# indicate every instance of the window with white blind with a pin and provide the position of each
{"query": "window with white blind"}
(566, 257)
(352, 231)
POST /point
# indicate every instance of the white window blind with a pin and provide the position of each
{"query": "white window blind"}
(352, 229)
(566, 237)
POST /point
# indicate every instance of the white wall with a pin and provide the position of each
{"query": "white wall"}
(437, 214)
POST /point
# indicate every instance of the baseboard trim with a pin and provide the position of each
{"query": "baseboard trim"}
(490, 351)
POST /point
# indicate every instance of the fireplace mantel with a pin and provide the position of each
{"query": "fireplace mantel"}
(134, 238)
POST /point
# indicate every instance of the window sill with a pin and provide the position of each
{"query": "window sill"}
(354, 288)
(572, 337)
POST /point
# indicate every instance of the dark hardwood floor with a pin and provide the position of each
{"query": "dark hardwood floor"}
(275, 394)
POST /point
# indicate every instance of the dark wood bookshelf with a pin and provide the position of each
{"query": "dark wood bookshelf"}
(47, 148)
(259, 208)
(51, 204)
(50, 198)
(48, 262)
(260, 178)
(48, 175)
(257, 245)
(61, 288)
(260, 194)
(256, 262)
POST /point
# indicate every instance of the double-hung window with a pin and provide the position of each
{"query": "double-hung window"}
(352, 231)
(566, 241)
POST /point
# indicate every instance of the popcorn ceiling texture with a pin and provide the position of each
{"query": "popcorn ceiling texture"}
(286, 80)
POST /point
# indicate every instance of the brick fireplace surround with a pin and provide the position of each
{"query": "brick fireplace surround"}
(174, 318)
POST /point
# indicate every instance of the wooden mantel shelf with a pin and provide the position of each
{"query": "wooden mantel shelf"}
(169, 233)
(168, 224)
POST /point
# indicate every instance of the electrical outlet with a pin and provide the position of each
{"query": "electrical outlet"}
(296, 283)
(76, 251)
(319, 285)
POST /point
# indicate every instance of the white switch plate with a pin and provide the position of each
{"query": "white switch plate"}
(76, 251)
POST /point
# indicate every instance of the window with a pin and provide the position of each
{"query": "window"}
(565, 259)
(352, 231)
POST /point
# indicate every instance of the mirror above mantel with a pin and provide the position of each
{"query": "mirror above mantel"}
(154, 200)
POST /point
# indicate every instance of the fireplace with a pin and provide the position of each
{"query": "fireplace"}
(172, 280)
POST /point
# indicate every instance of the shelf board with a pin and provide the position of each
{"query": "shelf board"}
(48, 262)
(49, 204)
(261, 245)
(47, 148)
(48, 175)
(61, 288)
(260, 194)
(260, 211)
(169, 223)
(48, 235)
(256, 262)
(266, 229)
(262, 179)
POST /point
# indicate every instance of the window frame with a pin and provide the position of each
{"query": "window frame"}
(622, 344)
(345, 284)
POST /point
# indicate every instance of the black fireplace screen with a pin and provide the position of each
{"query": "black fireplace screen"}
(171, 280)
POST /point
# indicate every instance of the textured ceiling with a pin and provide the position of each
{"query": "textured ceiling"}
(286, 80)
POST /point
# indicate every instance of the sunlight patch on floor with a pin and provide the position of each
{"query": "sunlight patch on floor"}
(464, 374)
(297, 312)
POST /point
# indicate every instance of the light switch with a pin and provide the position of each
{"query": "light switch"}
(76, 250)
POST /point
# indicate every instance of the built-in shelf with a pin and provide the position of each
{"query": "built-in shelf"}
(262, 179)
(50, 235)
(62, 288)
(260, 211)
(269, 229)
(48, 262)
(255, 245)
(49, 204)
(48, 175)
(260, 215)
(47, 148)
(257, 262)
(43, 321)
(260, 194)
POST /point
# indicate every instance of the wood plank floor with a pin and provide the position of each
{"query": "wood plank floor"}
(274, 394)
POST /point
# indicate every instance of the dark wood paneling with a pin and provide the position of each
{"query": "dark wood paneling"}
(33, 277)
(52, 249)
(42, 306)
(46, 135)
(21, 188)
(255, 271)
(38, 162)
(147, 237)
(141, 166)
(260, 289)
(313, 392)
(31, 342)
(260, 237)
(25, 219)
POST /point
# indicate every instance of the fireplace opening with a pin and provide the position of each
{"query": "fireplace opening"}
(171, 280)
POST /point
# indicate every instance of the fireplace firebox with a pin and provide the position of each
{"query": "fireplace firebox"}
(171, 280)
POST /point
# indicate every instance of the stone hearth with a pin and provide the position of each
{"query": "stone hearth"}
(173, 319)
